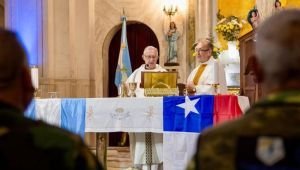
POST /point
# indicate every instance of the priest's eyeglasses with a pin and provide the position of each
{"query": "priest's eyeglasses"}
(202, 50)
(150, 56)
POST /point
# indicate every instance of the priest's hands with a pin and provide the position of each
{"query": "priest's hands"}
(190, 88)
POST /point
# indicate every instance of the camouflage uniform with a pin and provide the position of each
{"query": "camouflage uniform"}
(34, 145)
(278, 115)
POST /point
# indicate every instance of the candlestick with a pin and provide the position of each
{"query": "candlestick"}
(35, 76)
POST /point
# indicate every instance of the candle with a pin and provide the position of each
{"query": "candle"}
(216, 73)
(35, 77)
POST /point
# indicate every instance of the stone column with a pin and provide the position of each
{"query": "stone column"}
(204, 21)
(265, 8)
(67, 43)
(190, 35)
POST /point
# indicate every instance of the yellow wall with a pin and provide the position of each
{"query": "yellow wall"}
(291, 3)
(283, 2)
(238, 8)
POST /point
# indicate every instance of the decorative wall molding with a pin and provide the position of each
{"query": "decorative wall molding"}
(66, 88)
(68, 54)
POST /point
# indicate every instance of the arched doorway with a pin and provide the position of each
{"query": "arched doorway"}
(139, 36)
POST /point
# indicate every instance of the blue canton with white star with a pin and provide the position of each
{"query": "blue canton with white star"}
(188, 113)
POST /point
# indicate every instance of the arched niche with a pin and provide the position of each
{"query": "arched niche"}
(113, 35)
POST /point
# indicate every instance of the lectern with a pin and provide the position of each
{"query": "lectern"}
(159, 83)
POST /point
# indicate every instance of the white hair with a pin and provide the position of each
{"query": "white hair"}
(278, 47)
(150, 48)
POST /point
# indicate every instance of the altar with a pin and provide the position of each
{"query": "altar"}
(179, 118)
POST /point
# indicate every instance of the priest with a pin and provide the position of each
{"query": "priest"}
(137, 140)
(150, 56)
(209, 74)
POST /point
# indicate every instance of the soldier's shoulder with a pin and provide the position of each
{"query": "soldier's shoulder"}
(42, 130)
(225, 129)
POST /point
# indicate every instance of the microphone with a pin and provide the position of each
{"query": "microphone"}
(147, 66)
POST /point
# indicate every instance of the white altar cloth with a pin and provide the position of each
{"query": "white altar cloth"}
(130, 114)
(122, 114)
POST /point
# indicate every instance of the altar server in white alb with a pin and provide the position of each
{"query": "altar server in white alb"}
(137, 140)
(207, 73)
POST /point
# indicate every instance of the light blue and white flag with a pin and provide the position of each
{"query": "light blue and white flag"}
(68, 114)
(30, 111)
(73, 115)
(124, 66)
(48, 110)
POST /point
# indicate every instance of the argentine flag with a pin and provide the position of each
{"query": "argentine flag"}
(124, 66)
(68, 114)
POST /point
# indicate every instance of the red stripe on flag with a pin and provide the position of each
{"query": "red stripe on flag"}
(226, 107)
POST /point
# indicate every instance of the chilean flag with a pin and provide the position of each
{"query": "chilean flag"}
(195, 113)
(184, 118)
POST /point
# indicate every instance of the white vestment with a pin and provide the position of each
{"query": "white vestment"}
(137, 140)
(208, 77)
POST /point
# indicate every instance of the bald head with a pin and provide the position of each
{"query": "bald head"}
(12, 58)
(278, 48)
(15, 81)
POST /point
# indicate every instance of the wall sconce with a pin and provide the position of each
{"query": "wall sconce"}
(35, 78)
(170, 11)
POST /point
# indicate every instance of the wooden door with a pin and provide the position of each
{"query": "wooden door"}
(248, 86)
